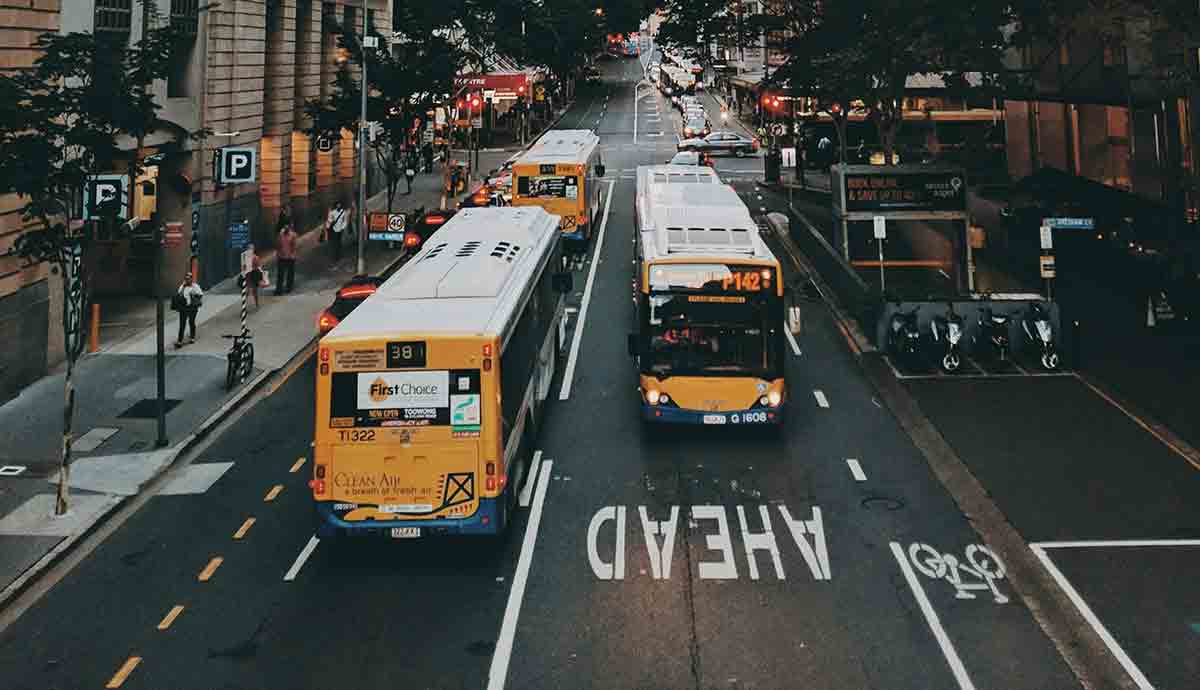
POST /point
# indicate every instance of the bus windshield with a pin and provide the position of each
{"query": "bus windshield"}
(709, 335)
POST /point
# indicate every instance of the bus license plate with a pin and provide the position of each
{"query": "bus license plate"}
(714, 419)
(406, 532)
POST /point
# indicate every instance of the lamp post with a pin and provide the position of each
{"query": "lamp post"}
(361, 170)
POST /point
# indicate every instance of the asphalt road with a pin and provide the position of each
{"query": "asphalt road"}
(690, 558)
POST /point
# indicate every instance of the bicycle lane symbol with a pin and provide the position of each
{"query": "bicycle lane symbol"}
(979, 569)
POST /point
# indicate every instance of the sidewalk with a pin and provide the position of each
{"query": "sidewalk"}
(115, 426)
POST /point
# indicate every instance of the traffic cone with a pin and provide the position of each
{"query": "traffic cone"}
(1150, 322)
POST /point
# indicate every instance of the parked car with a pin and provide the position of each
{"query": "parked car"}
(696, 127)
(720, 142)
(348, 297)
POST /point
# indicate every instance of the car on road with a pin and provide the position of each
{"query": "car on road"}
(349, 296)
(720, 142)
(696, 127)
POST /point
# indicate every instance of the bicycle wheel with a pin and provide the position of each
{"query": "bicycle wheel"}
(247, 363)
(927, 560)
(231, 371)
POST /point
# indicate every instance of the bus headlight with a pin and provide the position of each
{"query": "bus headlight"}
(664, 399)
(774, 398)
(763, 401)
(652, 396)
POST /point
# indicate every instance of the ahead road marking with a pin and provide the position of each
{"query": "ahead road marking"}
(296, 467)
(206, 574)
(304, 554)
(244, 528)
(791, 339)
(564, 393)
(931, 617)
(821, 399)
(170, 617)
(508, 629)
(856, 470)
(272, 493)
(122, 673)
(530, 480)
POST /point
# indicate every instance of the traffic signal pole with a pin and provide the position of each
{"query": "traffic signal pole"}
(361, 267)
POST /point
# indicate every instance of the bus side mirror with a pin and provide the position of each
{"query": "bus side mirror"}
(631, 342)
(562, 282)
(599, 170)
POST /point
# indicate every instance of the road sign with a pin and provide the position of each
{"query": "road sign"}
(324, 144)
(477, 123)
(1070, 223)
(370, 41)
(239, 235)
(1047, 237)
(238, 165)
(387, 227)
(778, 129)
(105, 189)
(1046, 263)
(880, 227)
(789, 157)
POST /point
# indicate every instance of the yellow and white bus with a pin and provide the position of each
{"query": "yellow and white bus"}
(429, 394)
(559, 173)
(710, 315)
(651, 179)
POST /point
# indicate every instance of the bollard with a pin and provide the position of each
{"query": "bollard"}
(94, 332)
(1076, 346)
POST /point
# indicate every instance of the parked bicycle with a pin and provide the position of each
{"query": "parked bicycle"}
(240, 358)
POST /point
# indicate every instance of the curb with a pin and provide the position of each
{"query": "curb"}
(32, 574)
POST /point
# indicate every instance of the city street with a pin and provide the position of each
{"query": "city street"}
(829, 556)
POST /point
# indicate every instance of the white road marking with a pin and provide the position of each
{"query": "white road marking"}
(856, 470)
(1109, 641)
(791, 340)
(92, 439)
(508, 628)
(1127, 542)
(931, 617)
(564, 393)
(11, 470)
(821, 399)
(301, 559)
(530, 479)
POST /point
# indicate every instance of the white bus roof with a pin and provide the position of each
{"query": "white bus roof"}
(562, 146)
(651, 179)
(689, 221)
(467, 279)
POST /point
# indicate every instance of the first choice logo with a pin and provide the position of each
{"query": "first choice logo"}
(381, 390)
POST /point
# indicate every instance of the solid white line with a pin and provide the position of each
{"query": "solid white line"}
(565, 392)
(821, 399)
(931, 617)
(1126, 542)
(856, 470)
(508, 628)
(1090, 617)
(527, 490)
(791, 339)
(304, 554)
(1019, 367)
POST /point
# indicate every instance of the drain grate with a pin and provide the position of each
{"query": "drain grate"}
(147, 408)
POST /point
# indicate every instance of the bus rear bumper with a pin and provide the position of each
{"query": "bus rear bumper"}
(577, 235)
(489, 519)
(673, 415)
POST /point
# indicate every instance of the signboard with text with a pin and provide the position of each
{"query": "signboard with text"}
(871, 189)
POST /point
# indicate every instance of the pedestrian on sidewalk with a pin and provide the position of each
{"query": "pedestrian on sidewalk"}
(187, 302)
(427, 151)
(286, 253)
(285, 219)
(254, 275)
(335, 223)
(410, 172)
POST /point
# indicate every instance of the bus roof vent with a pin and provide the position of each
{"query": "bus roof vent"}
(505, 250)
(693, 239)
(433, 253)
(467, 249)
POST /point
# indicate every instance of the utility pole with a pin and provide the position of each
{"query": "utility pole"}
(361, 172)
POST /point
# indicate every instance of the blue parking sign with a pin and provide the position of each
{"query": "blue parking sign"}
(239, 235)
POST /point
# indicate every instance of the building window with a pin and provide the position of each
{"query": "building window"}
(178, 83)
(114, 16)
(185, 17)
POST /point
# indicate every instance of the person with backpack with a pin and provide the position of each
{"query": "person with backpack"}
(335, 223)
(187, 301)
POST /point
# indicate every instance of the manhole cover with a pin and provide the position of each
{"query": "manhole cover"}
(882, 502)
(147, 408)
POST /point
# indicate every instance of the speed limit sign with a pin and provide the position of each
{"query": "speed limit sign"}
(778, 129)
(396, 222)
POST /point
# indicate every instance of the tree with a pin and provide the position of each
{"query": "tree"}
(691, 25)
(61, 123)
(859, 54)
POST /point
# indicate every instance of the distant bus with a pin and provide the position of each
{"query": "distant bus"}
(430, 393)
(710, 313)
(559, 173)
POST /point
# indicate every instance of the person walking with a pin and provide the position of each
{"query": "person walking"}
(427, 151)
(285, 252)
(253, 276)
(187, 302)
(335, 223)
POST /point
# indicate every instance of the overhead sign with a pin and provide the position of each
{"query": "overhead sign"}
(1070, 223)
(239, 235)
(880, 227)
(1046, 264)
(110, 191)
(386, 227)
(238, 165)
(900, 189)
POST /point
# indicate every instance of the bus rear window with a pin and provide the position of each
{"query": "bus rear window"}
(548, 186)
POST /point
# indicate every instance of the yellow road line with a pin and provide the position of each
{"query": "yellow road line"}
(273, 493)
(298, 465)
(1146, 426)
(170, 617)
(209, 569)
(244, 528)
(122, 673)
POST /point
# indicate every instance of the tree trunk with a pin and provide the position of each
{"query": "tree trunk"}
(839, 126)
(74, 303)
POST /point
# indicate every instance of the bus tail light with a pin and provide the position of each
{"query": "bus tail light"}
(324, 354)
(487, 349)
(317, 486)
(324, 368)
(487, 364)
(412, 239)
(491, 484)
(319, 473)
(491, 468)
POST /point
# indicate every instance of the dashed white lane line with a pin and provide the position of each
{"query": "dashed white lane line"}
(822, 401)
(530, 479)
(856, 470)
(791, 340)
(512, 611)
(931, 617)
(301, 559)
(564, 393)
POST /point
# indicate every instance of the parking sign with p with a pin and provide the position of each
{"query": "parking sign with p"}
(237, 165)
